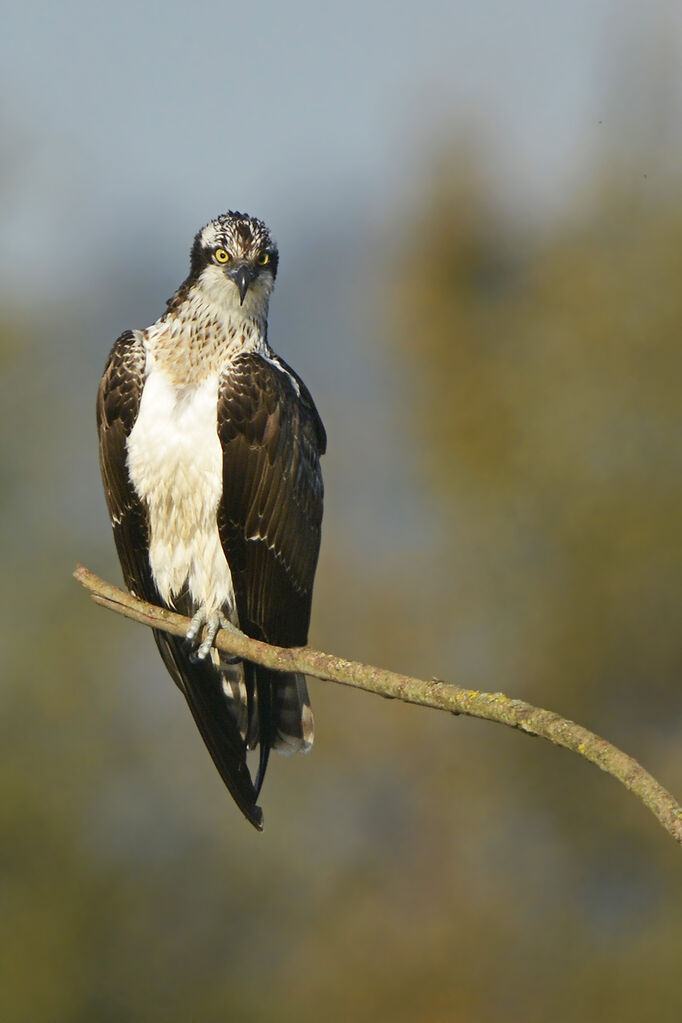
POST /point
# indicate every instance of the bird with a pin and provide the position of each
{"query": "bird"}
(210, 448)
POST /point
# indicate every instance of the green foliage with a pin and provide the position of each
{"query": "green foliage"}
(546, 373)
(544, 381)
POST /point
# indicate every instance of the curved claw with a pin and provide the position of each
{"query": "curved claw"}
(214, 622)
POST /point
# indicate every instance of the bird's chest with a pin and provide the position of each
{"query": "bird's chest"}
(175, 465)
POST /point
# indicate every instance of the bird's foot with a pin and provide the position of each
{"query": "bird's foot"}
(213, 622)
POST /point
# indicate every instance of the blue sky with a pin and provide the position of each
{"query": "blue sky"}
(160, 115)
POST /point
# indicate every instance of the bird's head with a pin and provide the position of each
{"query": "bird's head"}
(234, 260)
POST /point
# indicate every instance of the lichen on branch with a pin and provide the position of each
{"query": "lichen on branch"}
(435, 693)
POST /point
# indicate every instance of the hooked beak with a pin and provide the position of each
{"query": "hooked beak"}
(242, 277)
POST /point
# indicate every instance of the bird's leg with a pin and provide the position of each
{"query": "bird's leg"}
(214, 622)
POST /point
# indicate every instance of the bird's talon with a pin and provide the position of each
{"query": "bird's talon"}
(204, 649)
(214, 623)
(195, 627)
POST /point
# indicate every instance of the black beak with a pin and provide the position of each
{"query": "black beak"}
(243, 277)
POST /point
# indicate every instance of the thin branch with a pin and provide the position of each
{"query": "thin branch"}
(437, 694)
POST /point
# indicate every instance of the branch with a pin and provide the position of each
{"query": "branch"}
(439, 695)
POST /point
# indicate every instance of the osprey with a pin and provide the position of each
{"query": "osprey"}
(210, 450)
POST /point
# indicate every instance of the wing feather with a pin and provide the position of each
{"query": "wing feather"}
(270, 516)
(269, 522)
(118, 404)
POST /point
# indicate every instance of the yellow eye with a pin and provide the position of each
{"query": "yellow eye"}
(221, 256)
(263, 259)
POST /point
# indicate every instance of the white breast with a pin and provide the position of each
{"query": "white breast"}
(175, 464)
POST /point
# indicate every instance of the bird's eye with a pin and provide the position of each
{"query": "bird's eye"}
(221, 256)
(263, 259)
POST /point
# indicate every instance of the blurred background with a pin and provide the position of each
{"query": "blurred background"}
(479, 213)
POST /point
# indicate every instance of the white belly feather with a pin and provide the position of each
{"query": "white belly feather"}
(175, 464)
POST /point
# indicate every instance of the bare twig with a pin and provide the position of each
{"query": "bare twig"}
(439, 695)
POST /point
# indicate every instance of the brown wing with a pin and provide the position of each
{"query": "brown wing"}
(269, 521)
(118, 404)
(270, 515)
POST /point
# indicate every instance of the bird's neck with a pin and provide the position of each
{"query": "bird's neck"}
(200, 336)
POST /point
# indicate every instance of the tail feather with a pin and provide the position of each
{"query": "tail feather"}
(283, 716)
(293, 717)
(235, 690)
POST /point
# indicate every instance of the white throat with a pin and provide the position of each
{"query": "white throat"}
(222, 295)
